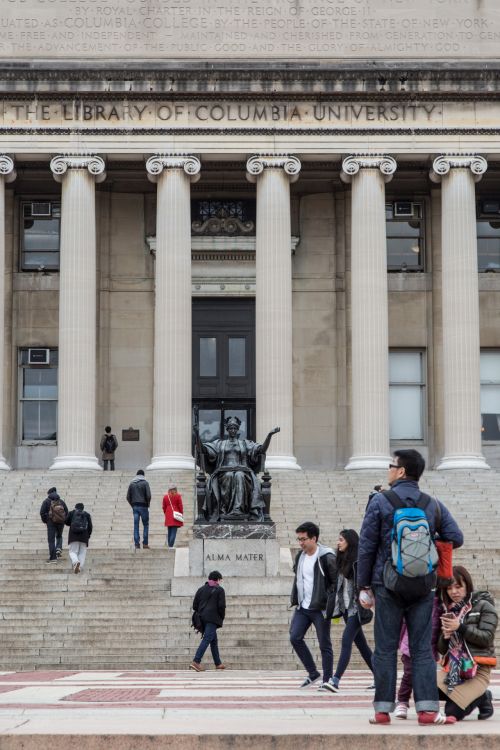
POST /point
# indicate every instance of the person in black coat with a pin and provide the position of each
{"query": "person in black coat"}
(210, 603)
(53, 513)
(80, 531)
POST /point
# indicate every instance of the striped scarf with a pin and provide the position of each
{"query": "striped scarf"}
(459, 661)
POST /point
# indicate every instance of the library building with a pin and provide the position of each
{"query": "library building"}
(286, 211)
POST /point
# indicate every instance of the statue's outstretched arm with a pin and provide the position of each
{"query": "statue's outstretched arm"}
(267, 441)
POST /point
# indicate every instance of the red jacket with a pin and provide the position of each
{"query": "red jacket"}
(168, 509)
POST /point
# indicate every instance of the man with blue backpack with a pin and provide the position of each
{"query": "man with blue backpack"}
(397, 562)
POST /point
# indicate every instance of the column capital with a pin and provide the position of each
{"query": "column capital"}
(442, 165)
(158, 162)
(95, 165)
(7, 168)
(352, 164)
(258, 163)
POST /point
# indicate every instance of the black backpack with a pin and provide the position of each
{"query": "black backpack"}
(109, 444)
(79, 522)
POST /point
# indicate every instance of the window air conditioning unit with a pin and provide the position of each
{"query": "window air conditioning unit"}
(403, 208)
(490, 208)
(41, 209)
(39, 356)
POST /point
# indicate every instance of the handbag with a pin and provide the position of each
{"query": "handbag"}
(177, 516)
(445, 552)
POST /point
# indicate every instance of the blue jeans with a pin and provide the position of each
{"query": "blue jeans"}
(140, 511)
(301, 622)
(171, 534)
(389, 613)
(353, 633)
(209, 639)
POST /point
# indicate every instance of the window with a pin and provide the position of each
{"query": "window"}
(40, 235)
(38, 399)
(488, 235)
(404, 221)
(490, 395)
(406, 395)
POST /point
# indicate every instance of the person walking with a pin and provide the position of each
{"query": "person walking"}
(347, 605)
(139, 499)
(210, 603)
(413, 600)
(109, 444)
(80, 531)
(53, 512)
(313, 595)
(173, 512)
(467, 642)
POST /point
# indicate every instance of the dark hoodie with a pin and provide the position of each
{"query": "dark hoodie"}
(83, 536)
(479, 626)
(44, 510)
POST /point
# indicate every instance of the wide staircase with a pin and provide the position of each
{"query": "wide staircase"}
(119, 612)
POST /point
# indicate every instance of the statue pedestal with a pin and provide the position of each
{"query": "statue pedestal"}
(238, 551)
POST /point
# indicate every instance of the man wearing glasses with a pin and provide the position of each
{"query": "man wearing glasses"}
(404, 472)
(313, 594)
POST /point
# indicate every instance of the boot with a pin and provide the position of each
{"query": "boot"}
(485, 706)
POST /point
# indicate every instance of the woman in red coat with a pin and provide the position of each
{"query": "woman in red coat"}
(173, 510)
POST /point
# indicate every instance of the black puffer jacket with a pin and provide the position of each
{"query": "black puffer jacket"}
(210, 603)
(479, 626)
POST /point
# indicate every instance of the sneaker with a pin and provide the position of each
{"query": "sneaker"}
(58, 552)
(401, 711)
(486, 709)
(51, 560)
(380, 718)
(138, 546)
(197, 666)
(309, 681)
(76, 567)
(329, 687)
(146, 546)
(434, 717)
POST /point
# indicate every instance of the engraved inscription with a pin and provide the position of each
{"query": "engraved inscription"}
(276, 29)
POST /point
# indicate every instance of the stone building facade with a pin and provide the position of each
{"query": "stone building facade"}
(289, 212)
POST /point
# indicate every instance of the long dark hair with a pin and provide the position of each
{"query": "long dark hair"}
(346, 559)
(461, 576)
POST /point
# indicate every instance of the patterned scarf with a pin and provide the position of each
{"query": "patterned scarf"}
(458, 660)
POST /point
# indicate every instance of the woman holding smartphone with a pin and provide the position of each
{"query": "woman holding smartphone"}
(467, 638)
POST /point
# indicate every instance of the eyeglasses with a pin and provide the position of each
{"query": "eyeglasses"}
(394, 466)
(302, 539)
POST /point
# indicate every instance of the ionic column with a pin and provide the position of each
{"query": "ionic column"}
(369, 310)
(460, 300)
(172, 422)
(7, 174)
(273, 304)
(77, 311)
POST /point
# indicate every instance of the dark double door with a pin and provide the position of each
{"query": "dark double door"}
(223, 365)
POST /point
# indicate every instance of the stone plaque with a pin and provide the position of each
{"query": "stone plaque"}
(249, 29)
(234, 557)
(130, 435)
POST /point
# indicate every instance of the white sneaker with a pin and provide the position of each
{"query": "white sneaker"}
(401, 711)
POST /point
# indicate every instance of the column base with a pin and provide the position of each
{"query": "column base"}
(473, 462)
(282, 462)
(357, 463)
(75, 463)
(171, 463)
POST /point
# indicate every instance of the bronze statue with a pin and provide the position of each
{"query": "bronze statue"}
(233, 490)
